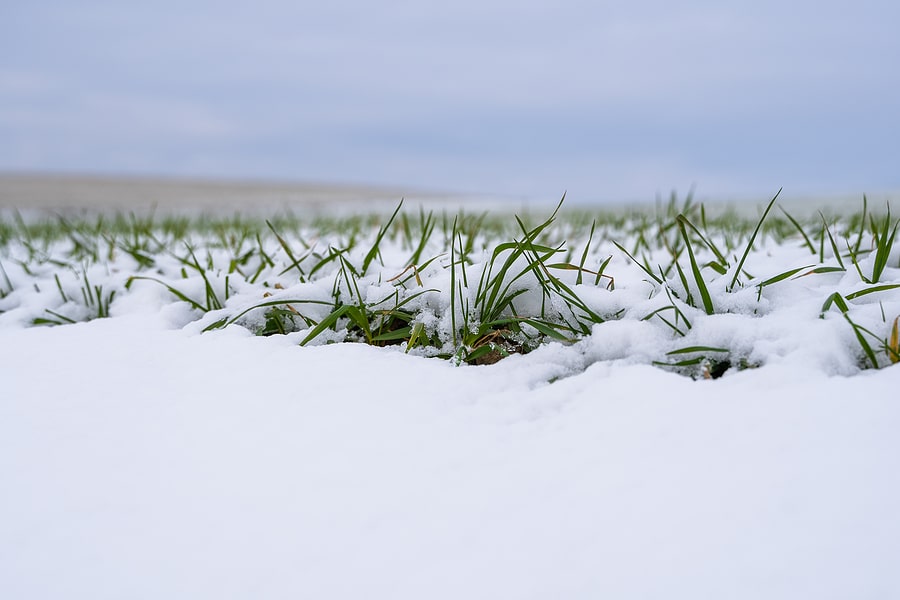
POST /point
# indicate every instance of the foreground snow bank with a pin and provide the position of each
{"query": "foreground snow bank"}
(143, 461)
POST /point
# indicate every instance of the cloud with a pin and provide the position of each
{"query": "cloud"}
(503, 96)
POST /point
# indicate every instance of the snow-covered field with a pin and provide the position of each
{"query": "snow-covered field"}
(720, 422)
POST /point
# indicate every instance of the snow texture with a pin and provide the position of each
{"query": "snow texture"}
(143, 461)
(143, 458)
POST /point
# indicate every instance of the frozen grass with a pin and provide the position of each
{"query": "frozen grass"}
(477, 288)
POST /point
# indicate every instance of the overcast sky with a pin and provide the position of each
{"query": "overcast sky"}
(608, 100)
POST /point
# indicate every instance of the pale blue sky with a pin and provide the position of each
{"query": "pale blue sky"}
(608, 100)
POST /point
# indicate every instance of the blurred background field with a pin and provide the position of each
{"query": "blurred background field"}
(43, 196)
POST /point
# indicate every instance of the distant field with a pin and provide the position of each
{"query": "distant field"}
(71, 194)
(37, 194)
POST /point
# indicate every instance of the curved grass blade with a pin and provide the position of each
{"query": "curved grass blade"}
(174, 291)
(693, 349)
(375, 250)
(229, 321)
(327, 322)
(695, 269)
(872, 290)
(740, 264)
(643, 267)
(806, 241)
(777, 278)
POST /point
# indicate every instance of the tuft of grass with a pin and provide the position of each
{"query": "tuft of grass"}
(883, 233)
(472, 288)
(700, 362)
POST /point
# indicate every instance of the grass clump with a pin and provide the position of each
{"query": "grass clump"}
(471, 288)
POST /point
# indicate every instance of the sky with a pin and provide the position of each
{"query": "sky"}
(604, 100)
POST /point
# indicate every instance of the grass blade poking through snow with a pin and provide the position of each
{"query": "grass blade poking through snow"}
(872, 290)
(376, 245)
(834, 247)
(806, 241)
(883, 239)
(584, 255)
(841, 303)
(706, 365)
(295, 262)
(777, 278)
(642, 266)
(512, 286)
(740, 265)
(695, 269)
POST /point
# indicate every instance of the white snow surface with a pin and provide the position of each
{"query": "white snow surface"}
(143, 460)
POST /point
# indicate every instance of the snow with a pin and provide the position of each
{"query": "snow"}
(142, 457)
(143, 460)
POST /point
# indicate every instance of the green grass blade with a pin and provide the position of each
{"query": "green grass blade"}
(872, 290)
(375, 250)
(777, 278)
(749, 247)
(638, 263)
(693, 349)
(327, 322)
(695, 270)
(834, 248)
(584, 254)
(806, 241)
